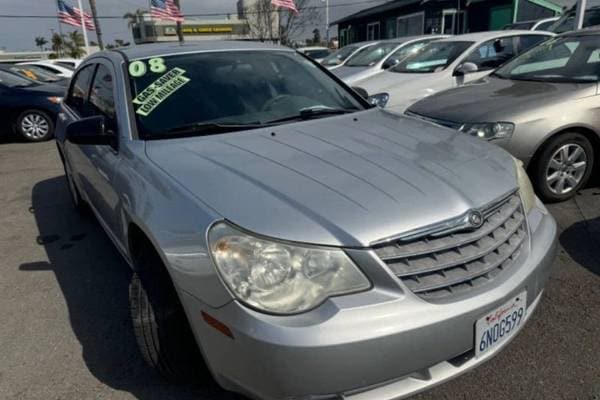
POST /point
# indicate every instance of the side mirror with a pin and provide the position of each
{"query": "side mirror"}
(89, 130)
(389, 63)
(362, 92)
(465, 68)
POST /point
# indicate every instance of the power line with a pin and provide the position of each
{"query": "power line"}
(200, 14)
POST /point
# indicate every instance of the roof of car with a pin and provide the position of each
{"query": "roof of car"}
(592, 31)
(155, 49)
(481, 36)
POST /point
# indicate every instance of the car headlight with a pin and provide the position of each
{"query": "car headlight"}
(525, 187)
(489, 131)
(279, 277)
(54, 99)
(379, 99)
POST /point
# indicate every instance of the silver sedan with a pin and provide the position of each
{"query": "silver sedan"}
(542, 107)
(291, 239)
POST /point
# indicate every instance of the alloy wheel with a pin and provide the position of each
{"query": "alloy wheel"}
(35, 126)
(566, 168)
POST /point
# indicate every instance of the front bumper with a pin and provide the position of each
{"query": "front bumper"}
(386, 343)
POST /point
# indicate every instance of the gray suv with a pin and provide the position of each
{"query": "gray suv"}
(288, 239)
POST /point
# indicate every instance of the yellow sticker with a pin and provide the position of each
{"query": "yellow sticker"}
(159, 90)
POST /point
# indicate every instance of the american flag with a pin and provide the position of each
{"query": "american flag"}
(289, 4)
(165, 9)
(72, 16)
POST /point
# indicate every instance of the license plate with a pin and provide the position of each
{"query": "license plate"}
(500, 324)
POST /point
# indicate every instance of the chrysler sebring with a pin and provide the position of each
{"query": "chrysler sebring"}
(289, 239)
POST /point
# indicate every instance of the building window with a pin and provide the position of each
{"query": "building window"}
(373, 31)
(410, 25)
(149, 31)
(453, 21)
(343, 39)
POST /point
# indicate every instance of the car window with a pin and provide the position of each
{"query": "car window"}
(566, 59)
(78, 92)
(493, 53)
(317, 53)
(371, 55)
(12, 80)
(339, 56)
(234, 87)
(402, 53)
(434, 57)
(102, 101)
(528, 41)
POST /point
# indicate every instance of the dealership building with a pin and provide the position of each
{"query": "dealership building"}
(398, 18)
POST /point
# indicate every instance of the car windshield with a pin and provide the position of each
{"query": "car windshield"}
(433, 57)
(565, 59)
(339, 56)
(35, 73)
(371, 55)
(317, 53)
(12, 80)
(189, 92)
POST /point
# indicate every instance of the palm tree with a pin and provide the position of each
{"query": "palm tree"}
(75, 44)
(58, 43)
(40, 42)
(96, 23)
(134, 17)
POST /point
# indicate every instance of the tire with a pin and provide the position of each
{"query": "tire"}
(563, 167)
(35, 126)
(161, 328)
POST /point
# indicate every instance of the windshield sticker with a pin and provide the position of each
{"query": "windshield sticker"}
(159, 90)
(138, 68)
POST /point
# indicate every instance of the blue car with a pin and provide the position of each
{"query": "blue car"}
(27, 107)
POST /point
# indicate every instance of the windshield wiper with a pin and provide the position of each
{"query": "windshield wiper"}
(203, 129)
(312, 112)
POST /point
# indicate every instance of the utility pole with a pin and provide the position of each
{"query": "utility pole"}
(327, 22)
(581, 5)
(179, 31)
(96, 24)
(84, 29)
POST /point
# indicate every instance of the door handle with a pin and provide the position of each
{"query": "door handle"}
(62, 117)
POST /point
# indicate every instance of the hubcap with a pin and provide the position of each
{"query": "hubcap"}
(34, 126)
(566, 168)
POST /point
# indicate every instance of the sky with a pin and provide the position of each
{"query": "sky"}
(18, 34)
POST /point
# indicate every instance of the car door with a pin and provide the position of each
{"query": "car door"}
(488, 56)
(98, 163)
(75, 106)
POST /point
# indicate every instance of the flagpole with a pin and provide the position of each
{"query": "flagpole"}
(58, 19)
(83, 27)
(178, 26)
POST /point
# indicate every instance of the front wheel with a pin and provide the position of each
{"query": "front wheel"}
(161, 328)
(563, 167)
(35, 126)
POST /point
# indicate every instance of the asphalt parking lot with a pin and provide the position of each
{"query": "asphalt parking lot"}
(65, 330)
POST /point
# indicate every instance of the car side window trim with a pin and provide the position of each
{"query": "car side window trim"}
(94, 67)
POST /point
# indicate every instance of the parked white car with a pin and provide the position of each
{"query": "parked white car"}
(317, 53)
(49, 66)
(533, 25)
(71, 63)
(339, 57)
(447, 63)
(382, 55)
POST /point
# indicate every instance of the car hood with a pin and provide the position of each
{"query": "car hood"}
(493, 99)
(404, 89)
(344, 71)
(344, 181)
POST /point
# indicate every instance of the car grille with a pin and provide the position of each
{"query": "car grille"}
(436, 267)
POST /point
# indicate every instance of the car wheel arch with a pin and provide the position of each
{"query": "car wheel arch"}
(592, 135)
(139, 240)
